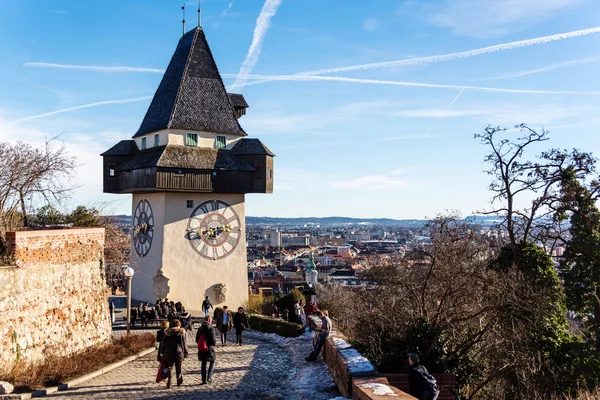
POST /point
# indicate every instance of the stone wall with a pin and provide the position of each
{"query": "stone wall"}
(54, 300)
(353, 374)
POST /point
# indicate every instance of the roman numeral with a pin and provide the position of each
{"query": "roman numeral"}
(215, 252)
(230, 220)
(214, 206)
(204, 209)
(232, 241)
(204, 250)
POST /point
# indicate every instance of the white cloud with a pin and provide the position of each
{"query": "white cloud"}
(100, 68)
(98, 103)
(484, 18)
(263, 22)
(370, 24)
(88, 173)
(440, 113)
(371, 182)
(547, 68)
(452, 56)
(308, 78)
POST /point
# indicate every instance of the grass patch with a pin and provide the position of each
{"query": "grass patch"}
(57, 370)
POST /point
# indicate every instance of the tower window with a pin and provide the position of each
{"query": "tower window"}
(156, 138)
(190, 204)
(143, 143)
(220, 142)
(111, 172)
(191, 139)
(270, 173)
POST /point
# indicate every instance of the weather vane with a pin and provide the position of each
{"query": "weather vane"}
(183, 20)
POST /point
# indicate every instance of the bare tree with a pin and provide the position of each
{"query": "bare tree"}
(28, 173)
(516, 179)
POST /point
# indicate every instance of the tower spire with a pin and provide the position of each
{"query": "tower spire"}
(183, 19)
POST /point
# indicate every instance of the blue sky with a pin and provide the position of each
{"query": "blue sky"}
(351, 141)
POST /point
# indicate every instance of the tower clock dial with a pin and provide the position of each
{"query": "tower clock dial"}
(214, 229)
(143, 227)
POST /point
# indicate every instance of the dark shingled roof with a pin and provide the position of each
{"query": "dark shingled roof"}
(123, 148)
(191, 95)
(186, 158)
(237, 100)
(251, 147)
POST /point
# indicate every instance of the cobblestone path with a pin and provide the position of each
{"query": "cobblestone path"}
(257, 370)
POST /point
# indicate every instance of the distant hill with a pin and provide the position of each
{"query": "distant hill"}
(333, 221)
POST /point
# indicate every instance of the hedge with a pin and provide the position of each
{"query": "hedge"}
(274, 325)
(266, 324)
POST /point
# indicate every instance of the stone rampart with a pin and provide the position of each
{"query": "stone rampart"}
(353, 374)
(54, 300)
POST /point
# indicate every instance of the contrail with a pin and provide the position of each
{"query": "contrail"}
(93, 67)
(456, 98)
(263, 22)
(307, 78)
(454, 56)
(543, 69)
(64, 110)
(449, 106)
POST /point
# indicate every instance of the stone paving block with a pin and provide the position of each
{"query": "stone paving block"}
(256, 370)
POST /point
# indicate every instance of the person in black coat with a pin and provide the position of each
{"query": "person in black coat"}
(173, 351)
(416, 380)
(240, 322)
(206, 354)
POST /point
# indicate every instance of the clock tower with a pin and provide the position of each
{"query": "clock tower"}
(188, 168)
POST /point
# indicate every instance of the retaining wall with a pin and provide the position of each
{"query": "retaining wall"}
(353, 374)
(53, 301)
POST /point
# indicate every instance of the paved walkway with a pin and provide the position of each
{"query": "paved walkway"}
(260, 369)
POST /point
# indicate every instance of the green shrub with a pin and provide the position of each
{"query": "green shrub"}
(273, 325)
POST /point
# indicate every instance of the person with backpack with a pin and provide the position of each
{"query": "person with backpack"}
(421, 384)
(206, 341)
(206, 306)
(240, 322)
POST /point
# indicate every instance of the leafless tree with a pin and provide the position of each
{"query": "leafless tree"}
(516, 179)
(29, 173)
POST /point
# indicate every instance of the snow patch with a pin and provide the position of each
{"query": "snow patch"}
(355, 361)
(340, 343)
(379, 389)
(310, 380)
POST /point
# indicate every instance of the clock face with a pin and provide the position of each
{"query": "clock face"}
(214, 229)
(143, 227)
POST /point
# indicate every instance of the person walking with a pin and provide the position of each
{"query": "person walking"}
(186, 319)
(206, 341)
(160, 334)
(421, 384)
(240, 322)
(323, 333)
(206, 306)
(224, 324)
(173, 351)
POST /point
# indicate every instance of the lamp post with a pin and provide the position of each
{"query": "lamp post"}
(128, 272)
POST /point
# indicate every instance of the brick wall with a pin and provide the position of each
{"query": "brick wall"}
(53, 301)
